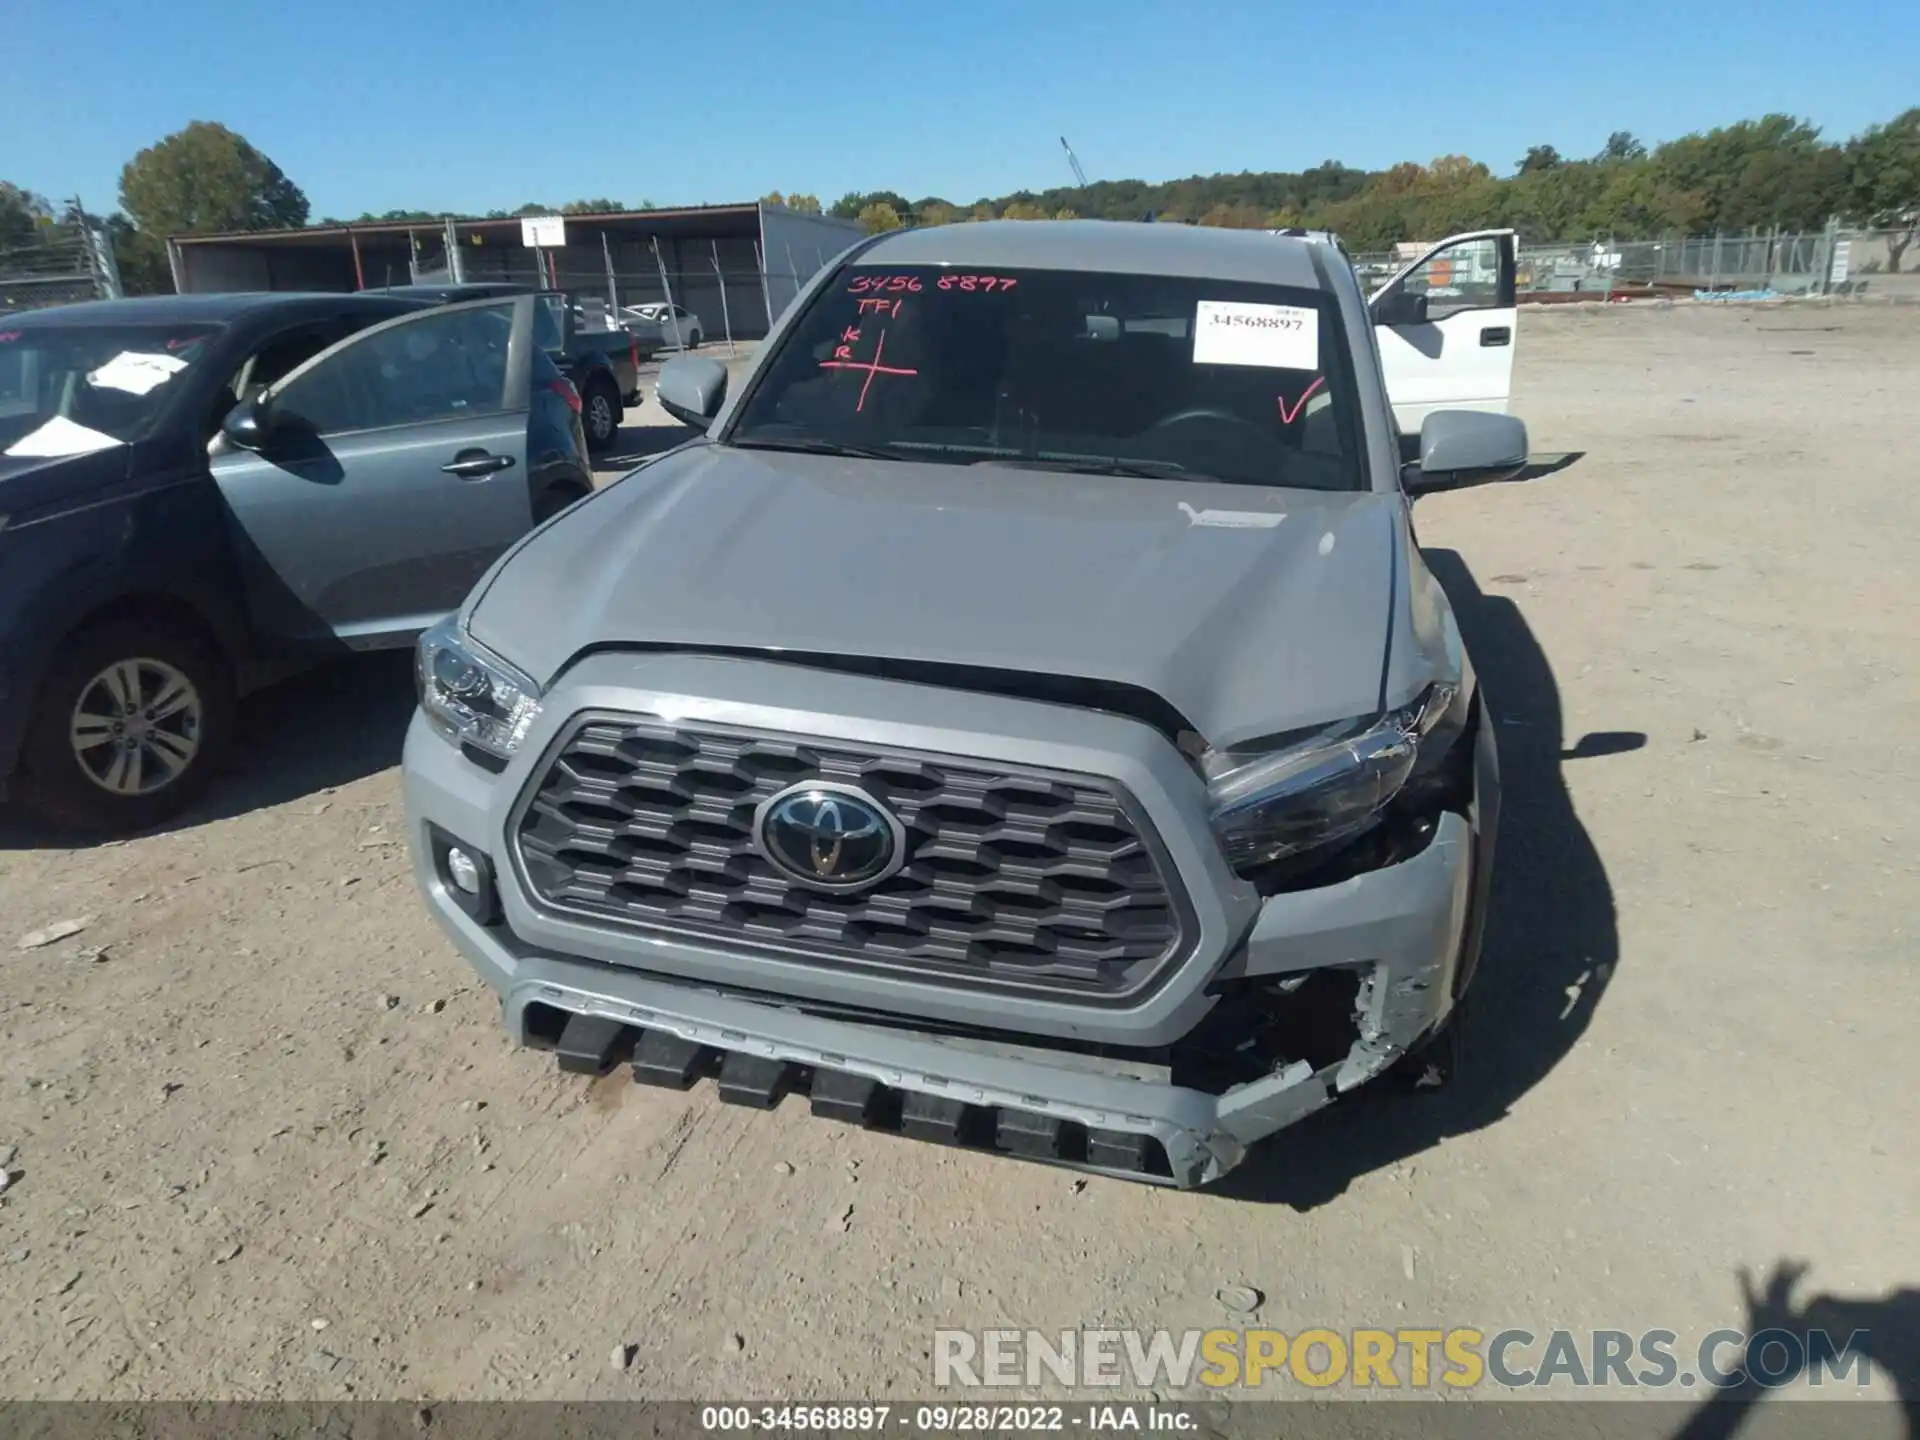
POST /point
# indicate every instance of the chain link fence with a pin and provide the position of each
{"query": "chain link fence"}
(736, 291)
(732, 290)
(1837, 262)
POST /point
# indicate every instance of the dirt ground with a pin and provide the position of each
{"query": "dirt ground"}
(269, 1140)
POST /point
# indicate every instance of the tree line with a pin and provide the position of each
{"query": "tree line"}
(1776, 171)
(1752, 175)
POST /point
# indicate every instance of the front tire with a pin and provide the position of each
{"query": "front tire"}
(129, 727)
(600, 416)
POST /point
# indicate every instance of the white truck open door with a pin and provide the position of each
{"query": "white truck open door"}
(1446, 326)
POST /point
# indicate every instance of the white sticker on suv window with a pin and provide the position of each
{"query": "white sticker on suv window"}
(59, 438)
(136, 372)
(1276, 337)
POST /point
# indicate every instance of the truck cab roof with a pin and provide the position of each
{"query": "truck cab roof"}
(1119, 247)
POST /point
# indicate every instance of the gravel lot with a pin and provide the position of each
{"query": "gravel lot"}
(268, 1139)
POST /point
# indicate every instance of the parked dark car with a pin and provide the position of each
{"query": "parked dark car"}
(603, 363)
(200, 492)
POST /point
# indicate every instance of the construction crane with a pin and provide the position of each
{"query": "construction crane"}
(1078, 174)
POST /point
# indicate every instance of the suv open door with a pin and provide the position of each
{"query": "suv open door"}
(1446, 325)
(371, 487)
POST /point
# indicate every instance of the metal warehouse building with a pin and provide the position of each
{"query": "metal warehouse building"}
(735, 266)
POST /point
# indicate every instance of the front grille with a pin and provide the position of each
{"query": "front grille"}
(1013, 877)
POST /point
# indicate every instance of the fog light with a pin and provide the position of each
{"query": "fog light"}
(464, 872)
(467, 875)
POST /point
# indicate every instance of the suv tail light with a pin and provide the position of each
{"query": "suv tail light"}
(633, 352)
(563, 387)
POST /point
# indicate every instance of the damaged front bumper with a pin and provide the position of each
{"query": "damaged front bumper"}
(1371, 964)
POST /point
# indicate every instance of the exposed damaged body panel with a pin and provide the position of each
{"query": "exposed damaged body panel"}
(1275, 1051)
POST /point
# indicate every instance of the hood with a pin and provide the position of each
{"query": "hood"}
(31, 483)
(1250, 611)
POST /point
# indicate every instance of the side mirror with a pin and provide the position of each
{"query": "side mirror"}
(248, 425)
(691, 389)
(1400, 307)
(1467, 447)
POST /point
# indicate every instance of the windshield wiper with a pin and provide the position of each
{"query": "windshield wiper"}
(814, 445)
(1091, 465)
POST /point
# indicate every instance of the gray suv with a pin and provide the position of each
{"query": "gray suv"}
(1023, 720)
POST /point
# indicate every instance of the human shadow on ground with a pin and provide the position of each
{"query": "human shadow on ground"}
(1788, 1340)
(1551, 942)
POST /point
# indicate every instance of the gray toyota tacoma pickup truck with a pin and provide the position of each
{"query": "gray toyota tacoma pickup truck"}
(1023, 719)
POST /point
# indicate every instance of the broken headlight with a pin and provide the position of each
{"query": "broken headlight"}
(1327, 786)
(471, 695)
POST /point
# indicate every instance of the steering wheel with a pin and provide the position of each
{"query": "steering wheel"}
(1206, 412)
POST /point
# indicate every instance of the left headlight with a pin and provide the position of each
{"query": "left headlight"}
(472, 695)
(1324, 787)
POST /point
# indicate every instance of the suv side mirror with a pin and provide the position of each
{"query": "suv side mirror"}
(1400, 306)
(248, 425)
(691, 389)
(1467, 447)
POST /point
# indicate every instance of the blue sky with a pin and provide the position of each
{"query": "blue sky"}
(475, 104)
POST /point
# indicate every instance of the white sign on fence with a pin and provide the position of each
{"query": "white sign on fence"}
(546, 232)
(1842, 254)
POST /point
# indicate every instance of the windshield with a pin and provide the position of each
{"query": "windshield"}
(65, 390)
(1075, 370)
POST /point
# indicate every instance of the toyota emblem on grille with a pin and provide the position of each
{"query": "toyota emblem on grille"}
(833, 836)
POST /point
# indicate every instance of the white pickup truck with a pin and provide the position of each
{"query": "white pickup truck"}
(1446, 324)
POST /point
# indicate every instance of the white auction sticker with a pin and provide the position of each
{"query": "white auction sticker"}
(136, 372)
(1276, 337)
(60, 438)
